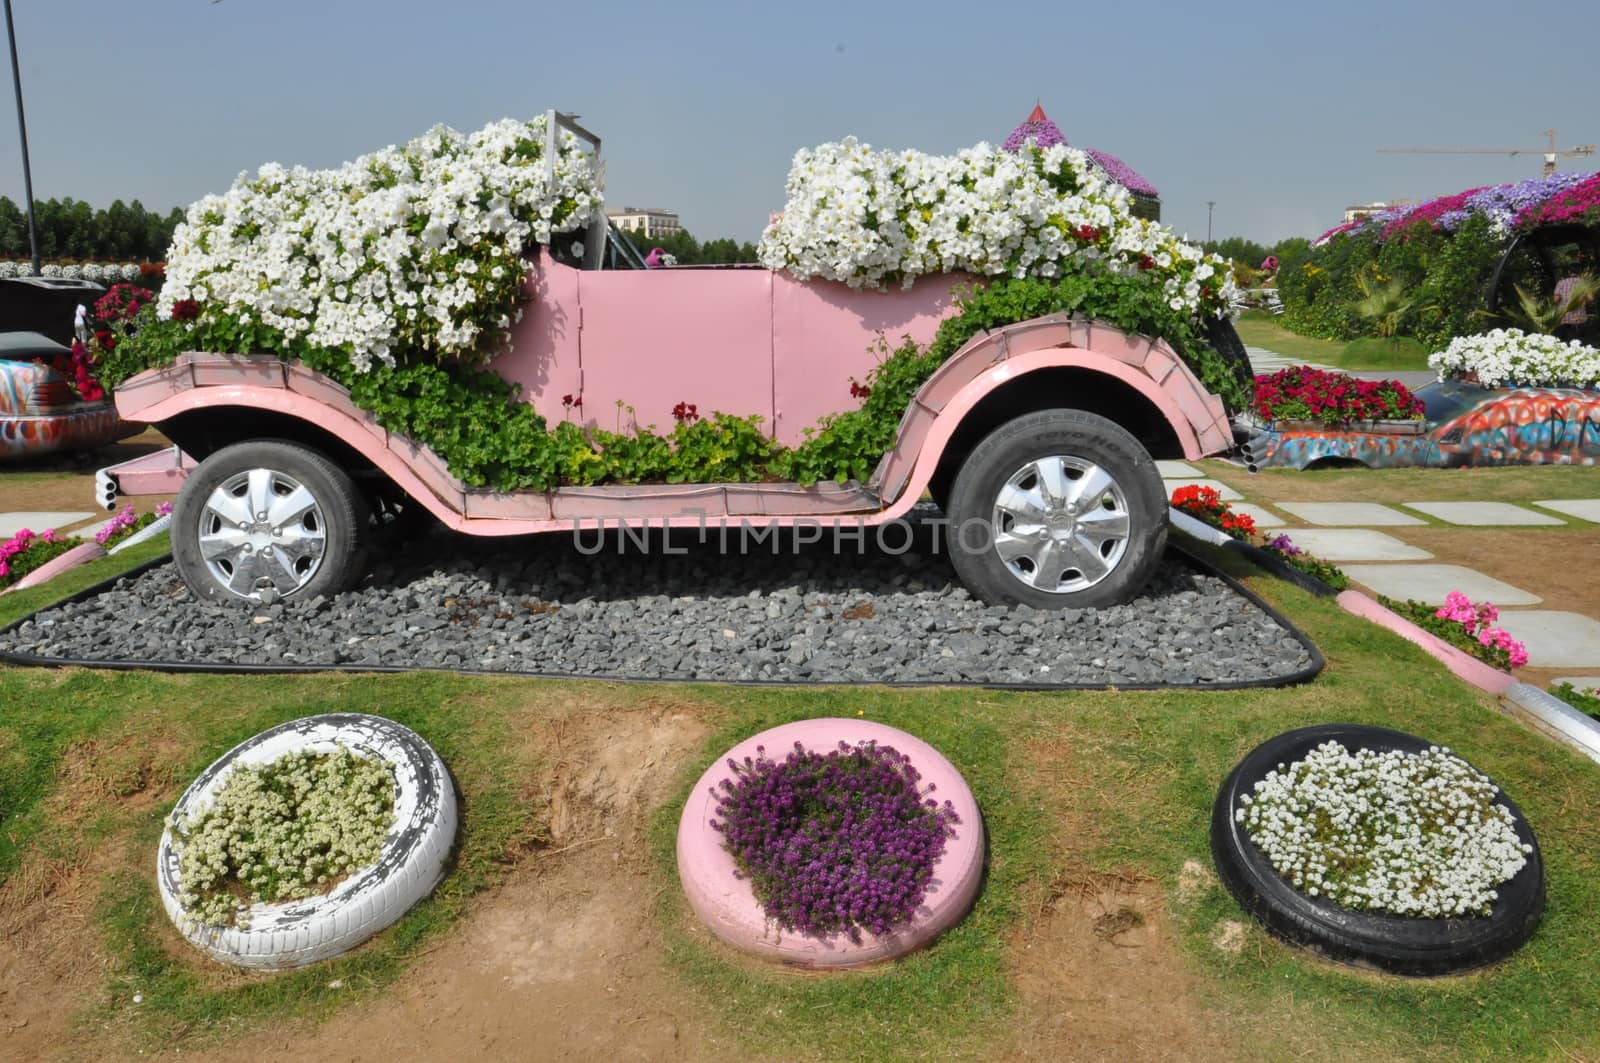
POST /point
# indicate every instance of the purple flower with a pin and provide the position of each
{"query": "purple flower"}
(1284, 545)
(1037, 128)
(1122, 173)
(833, 843)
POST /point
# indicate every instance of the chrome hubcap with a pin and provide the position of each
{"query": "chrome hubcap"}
(262, 531)
(1061, 524)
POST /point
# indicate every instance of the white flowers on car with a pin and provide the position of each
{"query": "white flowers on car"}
(869, 218)
(282, 831)
(1513, 358)
(328, 255)
(1411, 834)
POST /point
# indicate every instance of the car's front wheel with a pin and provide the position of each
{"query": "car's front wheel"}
(1057, 509)
(268, 520)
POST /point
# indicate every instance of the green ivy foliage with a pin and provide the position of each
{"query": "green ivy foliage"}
(488, 437)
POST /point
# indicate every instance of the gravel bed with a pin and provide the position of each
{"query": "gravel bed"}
(802, 614)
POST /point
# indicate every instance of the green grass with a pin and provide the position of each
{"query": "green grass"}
(1259, 329)
(1072, 785)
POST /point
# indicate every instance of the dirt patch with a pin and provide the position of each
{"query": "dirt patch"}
(564, 957)
(1097, 963)
(51, 963)
(1101, 977)
(132, 772)
(1228, 936)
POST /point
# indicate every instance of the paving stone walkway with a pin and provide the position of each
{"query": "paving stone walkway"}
(1383, 562)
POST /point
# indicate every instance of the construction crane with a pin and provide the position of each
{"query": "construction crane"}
(1550, 153)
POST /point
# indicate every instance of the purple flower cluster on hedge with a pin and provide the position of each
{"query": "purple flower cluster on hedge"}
(1041, 131)
(1502, 203)
(1507, 205)
(1122, 173)
(833, 843)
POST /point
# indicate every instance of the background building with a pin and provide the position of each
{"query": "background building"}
(1367, 210)
(647, 221)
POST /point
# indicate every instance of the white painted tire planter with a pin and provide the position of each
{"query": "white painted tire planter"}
(409, 865)
(728, 906)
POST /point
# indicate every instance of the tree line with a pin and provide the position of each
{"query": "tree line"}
(691, 252)
(72, 229)
(1251, 253)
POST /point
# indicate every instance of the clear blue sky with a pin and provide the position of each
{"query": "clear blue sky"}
(1273, 110)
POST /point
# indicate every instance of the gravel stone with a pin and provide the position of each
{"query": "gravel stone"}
(783, 611)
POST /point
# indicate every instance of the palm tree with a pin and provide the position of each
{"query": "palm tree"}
(1544, 314)
(1384, 306)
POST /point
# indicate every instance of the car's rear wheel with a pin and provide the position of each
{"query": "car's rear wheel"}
(268, 520)
(1057, 509)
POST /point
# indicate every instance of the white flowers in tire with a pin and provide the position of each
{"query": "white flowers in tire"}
(285, 830)
(359, 901)
(1413, 834)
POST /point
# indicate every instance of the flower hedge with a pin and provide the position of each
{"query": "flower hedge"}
(148, 274)
(1513, 358)
(1302, 393)
(1442, 252)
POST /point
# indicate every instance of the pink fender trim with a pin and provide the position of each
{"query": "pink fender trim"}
(362, 437)
(949, 419)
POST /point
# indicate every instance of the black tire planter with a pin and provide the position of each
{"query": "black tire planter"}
(1397, 944)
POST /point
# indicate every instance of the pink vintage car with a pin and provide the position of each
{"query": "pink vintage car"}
(1035, 439)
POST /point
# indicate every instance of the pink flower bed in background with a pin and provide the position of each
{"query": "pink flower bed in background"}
(1475, 621)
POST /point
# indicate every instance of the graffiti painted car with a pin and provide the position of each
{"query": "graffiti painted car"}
(40, 413)
(1465, 424)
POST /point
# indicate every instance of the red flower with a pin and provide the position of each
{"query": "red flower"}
(184, 309)
(572, 402)
(1086, 233)
(686, 413)
(1147, 262)
(859, 391)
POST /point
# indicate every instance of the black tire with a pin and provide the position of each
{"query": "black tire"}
(1397, 944)
(340, 517)
(1071, 435)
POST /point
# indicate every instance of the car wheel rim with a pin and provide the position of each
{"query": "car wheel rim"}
(1061, 524)
(262, 531)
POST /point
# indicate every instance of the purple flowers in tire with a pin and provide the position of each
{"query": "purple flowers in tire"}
(839, 842)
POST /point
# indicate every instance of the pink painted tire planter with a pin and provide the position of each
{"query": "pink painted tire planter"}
(727, 905)
(81, 554)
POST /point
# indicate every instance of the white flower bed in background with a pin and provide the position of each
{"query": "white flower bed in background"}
(284, 830)
(1411, 834)
(103, 272)
(1511, 357)
(416, 247)
(869, 217)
